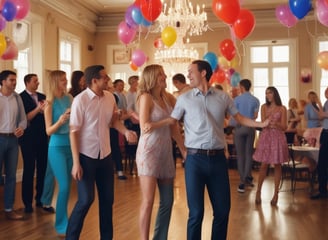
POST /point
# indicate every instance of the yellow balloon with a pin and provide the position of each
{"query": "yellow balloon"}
(322, 60)
(223, 62)
(3, 44)
(169, 36)
(234, 62)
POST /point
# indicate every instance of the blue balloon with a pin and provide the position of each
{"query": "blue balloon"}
(235, 79)
(9, 11)
(212, 59)
(137, 15)
(300, 8)
(145, 22)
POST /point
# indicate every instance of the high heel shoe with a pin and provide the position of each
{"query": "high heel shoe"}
(258, 197)
(274, 200)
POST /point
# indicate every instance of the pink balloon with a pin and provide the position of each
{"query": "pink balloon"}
(138, 57)
(11, 50)
(2, 2)
(3, 23)
(125, 33)
(322, 12)
(285, 16)
(23, 7)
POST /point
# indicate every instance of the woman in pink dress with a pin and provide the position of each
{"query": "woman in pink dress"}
(272, 145)
(154, 153)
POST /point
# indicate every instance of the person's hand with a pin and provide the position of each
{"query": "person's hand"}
(77, 172)
(265, 123)
(131, 136)
(42, 105)
(148, 127)
(19, 132)
(65, 116)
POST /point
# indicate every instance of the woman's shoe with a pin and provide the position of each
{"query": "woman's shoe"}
(274, 200)
(258, 197)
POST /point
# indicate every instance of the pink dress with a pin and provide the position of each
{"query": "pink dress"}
(154, 153)
(272, 144)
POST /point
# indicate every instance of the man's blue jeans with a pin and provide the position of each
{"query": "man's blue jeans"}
(99, 172)
(9, 156)
(212, 172)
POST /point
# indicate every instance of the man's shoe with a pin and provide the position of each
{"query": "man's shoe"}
(241, 188)
(122, 177)
(249, 181)
(12, 215)
(49, 209)
(39, 204)
(28, 209)
(319, 196)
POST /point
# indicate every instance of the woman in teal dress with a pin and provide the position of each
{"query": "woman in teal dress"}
(57, 115)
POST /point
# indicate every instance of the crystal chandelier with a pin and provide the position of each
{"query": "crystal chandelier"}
(187, 22)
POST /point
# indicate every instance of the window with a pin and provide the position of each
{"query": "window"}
(69, 53)
(270, 63)
(323, 74)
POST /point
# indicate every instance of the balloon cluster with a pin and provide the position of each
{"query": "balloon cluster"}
(223, 66)
(140, 14)
(11, 10)
(242, 21)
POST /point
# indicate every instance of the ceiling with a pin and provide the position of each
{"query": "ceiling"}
(108, 6)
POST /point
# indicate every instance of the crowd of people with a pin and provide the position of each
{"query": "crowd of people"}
(79, 134)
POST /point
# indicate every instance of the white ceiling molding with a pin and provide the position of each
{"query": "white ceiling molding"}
(75, 12)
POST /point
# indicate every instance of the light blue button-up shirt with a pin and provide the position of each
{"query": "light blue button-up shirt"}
(203, 117)
(247, 105)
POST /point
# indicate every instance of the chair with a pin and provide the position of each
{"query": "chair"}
(295, 170)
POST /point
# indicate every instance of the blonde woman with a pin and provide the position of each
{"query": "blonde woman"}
(154, 153)
(57, 113)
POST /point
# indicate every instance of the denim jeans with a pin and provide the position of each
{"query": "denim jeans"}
(212, 172)
(9, 157)
(99, 172)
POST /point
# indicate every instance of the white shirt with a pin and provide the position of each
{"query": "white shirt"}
(91, 115)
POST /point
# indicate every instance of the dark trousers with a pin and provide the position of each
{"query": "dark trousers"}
(99, 172)
(212, 172)
(323, 162)
(34, 156)
(116, 151)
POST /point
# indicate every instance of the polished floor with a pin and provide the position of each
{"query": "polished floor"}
(295, 218)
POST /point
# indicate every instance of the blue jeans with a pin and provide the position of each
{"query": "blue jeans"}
(9, 157)
(212, 172)
(99, 172)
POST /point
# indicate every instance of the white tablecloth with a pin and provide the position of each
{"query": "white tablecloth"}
(304, 151)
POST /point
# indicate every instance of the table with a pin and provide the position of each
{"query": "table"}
(306, 151)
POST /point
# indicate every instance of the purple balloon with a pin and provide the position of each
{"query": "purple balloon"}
(128, 17)
(2, 23)
(138, 57)
(285, 16)
(125, 33)
(322, 12)
(9, 11)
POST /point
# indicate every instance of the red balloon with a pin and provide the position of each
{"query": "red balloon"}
(244, 24)
(218, 76)
(226, 10)
(158, 43)
(151, 9)
(228, 49)
(11, 50)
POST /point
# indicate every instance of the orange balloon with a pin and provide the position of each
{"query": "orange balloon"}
(133, 66)
(322, 60)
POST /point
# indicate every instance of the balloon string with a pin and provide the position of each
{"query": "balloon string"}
(308, 30)
(147, 34)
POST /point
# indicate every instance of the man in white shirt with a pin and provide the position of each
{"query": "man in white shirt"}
(12, 124)
(92, 113)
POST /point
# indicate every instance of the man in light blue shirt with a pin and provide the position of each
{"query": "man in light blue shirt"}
(248, 106)
(203, 111)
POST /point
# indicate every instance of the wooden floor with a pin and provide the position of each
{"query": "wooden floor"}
(295, 218)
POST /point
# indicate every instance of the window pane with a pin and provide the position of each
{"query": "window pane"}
(21, 66)
(259, 54)
(280, 76)
(261, 77)
(65, 51)
(280, 53)
(284, 94)
(259, 92)
(323, 45)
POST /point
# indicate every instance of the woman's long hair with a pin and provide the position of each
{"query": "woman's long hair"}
(75, 83)
(276, 96)
(54, 78)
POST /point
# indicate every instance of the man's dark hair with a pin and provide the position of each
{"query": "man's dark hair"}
(179, 77)
(28, 77)
(117, 81)
(204, 65)
(92, 72)
(246, 83)
(4, 74)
